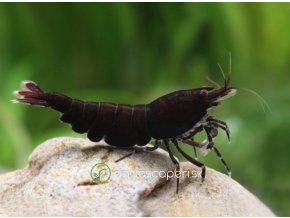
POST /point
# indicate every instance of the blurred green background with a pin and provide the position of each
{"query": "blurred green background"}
(135, 52)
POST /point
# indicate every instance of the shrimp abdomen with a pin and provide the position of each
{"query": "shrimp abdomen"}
(118, 124)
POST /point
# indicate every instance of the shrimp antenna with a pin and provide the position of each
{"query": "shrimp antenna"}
(230, 69)
(223, 73)
(259, 98)
(213, 82)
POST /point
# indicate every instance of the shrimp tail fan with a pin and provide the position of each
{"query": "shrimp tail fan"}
(30, 93)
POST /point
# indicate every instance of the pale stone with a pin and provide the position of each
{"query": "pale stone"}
(57, 182)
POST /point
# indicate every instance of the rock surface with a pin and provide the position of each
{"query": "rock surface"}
(57, 182)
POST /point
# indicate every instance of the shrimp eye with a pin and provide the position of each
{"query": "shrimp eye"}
(204, 92)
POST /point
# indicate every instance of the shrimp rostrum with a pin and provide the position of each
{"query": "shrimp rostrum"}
(172, 118)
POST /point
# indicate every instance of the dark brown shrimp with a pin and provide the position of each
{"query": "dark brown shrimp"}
(177, 116)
